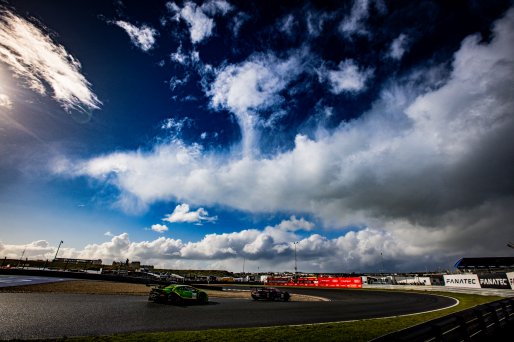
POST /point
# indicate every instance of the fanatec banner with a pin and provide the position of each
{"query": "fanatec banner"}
(462, 280)
(510, 278)
(494, 281)
(485, 281)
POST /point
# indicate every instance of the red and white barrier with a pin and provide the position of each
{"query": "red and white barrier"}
(335, 282)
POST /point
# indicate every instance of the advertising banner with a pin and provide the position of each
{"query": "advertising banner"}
(412, 280)
(277, 280)
(494, 281)
(355, 282)
(462, 280)
(510, 277)
(339, 282)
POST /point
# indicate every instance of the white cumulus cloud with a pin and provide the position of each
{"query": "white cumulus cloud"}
(183, 213)
(294, 224)
(398, 47)
(251, 86)
(348, 77)
(355, 22)
(39, 249)
(214, 7)
(143, 37)
(159, 228)
(200, 24)
(199, 18)
(270, 249)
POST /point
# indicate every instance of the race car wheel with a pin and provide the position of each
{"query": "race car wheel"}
(202, 298)
(174, 299)
(286, 297)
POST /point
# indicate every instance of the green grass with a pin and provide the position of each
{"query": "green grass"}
(363, 330)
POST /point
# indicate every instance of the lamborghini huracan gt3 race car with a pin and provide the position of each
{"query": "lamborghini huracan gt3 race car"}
(178, 294)
(270, 293)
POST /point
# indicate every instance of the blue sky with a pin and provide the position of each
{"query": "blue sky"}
(375, 134)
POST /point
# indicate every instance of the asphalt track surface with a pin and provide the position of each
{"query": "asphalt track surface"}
(51, 315)
(15, 280)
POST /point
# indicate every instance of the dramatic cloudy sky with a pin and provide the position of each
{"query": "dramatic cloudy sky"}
(365, 135)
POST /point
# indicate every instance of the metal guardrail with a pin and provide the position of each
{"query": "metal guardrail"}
(104, 277)
(476, 324)
(81, 275)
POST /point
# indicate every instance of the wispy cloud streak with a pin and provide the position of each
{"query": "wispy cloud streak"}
(35, 58)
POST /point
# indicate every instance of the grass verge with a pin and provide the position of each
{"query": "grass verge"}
(363, 330)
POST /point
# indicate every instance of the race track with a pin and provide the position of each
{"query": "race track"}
(15, 280)
(50, 315)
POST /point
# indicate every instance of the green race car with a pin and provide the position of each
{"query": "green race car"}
(178, 294)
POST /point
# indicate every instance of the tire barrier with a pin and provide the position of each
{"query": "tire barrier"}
(476, 324)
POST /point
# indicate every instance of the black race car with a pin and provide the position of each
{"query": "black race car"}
(270, 293)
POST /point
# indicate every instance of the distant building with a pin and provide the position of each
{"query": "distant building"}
(131, 264)
(485, 264)
(78, 261)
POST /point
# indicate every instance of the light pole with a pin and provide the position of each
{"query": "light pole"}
(21, 258)
(60, 243)
(381, 263)
(295, 261)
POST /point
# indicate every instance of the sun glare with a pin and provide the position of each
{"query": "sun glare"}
(8, 93)
(5, 99)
